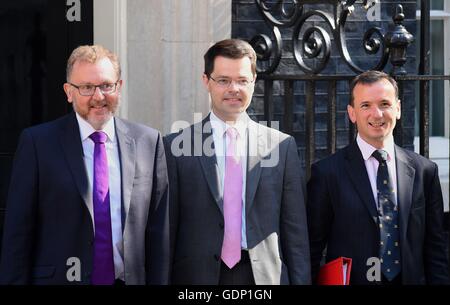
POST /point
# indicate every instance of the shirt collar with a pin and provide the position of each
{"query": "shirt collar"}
(86, 129)
(220, 126)
(367, 149)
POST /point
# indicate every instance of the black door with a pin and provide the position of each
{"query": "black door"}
(37, 37)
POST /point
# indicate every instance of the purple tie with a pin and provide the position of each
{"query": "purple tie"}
(232, 203)
(103, 266)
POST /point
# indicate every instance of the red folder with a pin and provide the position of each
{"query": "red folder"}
(336, 272)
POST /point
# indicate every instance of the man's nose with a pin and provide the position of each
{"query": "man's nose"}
(377, 112)
(98, 94)
(234, 86)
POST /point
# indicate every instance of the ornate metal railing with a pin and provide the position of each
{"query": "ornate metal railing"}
(316, 41)
(311, 45)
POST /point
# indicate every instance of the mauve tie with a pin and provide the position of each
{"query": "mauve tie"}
(103, 265)
(232, 203)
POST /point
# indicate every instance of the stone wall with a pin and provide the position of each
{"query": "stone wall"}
(166, 41)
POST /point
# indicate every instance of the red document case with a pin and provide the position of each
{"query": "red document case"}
(336, 272)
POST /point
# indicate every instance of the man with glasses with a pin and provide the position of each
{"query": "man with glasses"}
(237, 212)
(88, 197)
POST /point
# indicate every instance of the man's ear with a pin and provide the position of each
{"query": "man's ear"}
(119, 86)
(351, 113)
(399, 110)
(68, 90)
(205, 80)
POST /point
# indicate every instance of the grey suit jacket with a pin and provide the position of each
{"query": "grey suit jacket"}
(275, 211)
(47, 218)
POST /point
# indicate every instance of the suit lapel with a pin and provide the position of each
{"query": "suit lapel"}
(207, 158)
(127, 153)
(356, 169)
(255, 146)
(405, 181)
(73, 151)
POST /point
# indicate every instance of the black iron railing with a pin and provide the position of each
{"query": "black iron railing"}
(312, 53)
(310, 81)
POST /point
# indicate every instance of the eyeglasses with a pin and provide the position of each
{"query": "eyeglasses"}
(89, 90)
(226, 82)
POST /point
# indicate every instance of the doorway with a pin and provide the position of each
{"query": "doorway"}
(37, 38)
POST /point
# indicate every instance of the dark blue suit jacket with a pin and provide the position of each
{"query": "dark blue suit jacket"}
(47, 218)
(342, 216)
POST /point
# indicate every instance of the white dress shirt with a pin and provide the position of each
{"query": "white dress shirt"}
(112, 153)
(219, 128)
(372, 164)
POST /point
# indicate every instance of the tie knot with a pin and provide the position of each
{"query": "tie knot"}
(98, 137)
(232, 133)
(381, 155)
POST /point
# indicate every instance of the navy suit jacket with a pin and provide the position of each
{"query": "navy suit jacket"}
(47, 218)
(342, 216)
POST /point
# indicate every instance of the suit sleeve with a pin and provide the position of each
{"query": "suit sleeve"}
(157, 243)
(436, 256)
(320, 215)
(293, 231)
(21, 211)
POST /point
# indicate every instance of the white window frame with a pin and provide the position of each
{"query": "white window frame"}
(444, 15)
(447, 66)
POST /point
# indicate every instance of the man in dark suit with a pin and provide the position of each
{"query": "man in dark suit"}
(88, 197)
(236, 201)
(375, 202)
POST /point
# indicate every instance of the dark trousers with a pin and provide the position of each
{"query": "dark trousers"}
(240, 274)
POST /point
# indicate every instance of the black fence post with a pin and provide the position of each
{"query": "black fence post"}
(424, 69)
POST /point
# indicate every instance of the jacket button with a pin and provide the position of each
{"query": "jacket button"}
(217, 257)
